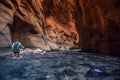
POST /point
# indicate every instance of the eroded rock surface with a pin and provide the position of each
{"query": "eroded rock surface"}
(98, 25)
(61, 24)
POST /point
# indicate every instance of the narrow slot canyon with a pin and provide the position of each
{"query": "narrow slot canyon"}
(62, 39)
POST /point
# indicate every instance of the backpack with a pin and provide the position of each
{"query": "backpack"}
(16, 46)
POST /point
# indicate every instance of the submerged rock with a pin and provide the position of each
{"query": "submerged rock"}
(70, 72)
(16, 72)
(96, 72)
(41, 78)
(59, 75)
(116, 72)
(75, 79)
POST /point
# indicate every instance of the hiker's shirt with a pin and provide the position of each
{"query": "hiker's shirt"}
(16, 46)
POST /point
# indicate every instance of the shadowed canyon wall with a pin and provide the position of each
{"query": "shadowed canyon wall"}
(62, 24)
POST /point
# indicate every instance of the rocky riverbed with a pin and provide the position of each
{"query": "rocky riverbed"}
(60, 65)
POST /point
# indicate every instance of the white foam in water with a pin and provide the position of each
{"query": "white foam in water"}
(98, 70)
(30, 51)
(20, 57)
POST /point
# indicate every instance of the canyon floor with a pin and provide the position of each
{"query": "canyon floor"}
(60, 65)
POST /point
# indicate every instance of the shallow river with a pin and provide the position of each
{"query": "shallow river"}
(70, 65)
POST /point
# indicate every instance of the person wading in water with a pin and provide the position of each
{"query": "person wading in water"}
(16, 48)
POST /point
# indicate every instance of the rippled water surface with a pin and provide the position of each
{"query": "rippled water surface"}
(60, 66)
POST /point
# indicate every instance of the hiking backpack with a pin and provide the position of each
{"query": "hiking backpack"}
(16, 46)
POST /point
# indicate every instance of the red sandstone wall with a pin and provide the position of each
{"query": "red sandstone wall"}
(63, 24)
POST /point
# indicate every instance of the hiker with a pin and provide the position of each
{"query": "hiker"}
(16, 48)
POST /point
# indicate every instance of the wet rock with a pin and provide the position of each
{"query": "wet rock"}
(41, 78)
(76, 79)
(39, 51)
(35, 75)
(70, 72)
(116, 72)
(96, 72)
(117, 78)
(59, 75)
(62, 64)
(1, 76)
(82, 68)
(16, 72)
(28, 51)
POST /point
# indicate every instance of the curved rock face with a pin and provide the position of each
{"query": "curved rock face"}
(98, 25)
(62, 24)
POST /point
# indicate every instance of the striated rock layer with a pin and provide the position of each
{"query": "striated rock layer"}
(61, 24)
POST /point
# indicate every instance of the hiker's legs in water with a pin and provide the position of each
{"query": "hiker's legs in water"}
(18, 54)
(15, 54)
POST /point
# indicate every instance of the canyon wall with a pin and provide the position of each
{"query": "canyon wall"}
(98, 25)
(62, 24)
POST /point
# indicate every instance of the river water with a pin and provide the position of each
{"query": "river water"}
(68, 65)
